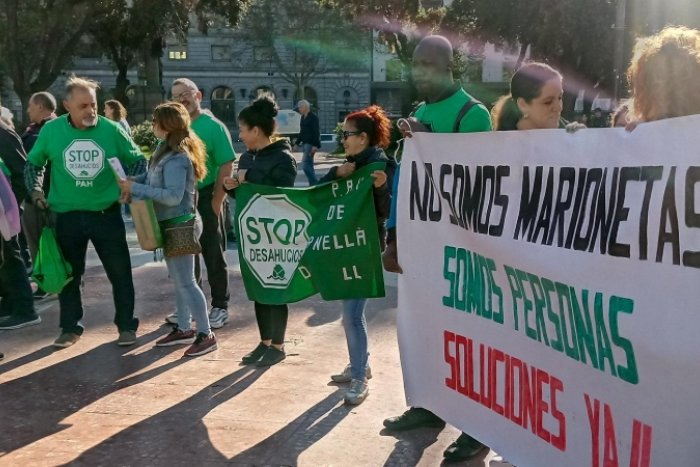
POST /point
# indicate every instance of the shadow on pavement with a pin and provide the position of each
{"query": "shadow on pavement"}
(285, 446)
(36, 404)
(180, 425)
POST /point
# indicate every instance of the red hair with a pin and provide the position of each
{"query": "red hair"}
(375, 123)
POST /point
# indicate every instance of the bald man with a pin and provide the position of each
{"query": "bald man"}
(447, 108)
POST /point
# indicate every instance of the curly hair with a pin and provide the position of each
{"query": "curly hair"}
(173, 119)
(664, 74)
(375, 123)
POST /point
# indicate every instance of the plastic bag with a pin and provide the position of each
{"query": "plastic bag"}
(51, 271)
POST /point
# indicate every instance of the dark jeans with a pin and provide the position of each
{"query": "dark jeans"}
(272, 322)
(105, 229)
(213, 241)
(15, 291)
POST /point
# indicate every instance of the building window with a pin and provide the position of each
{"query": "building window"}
(262, 54)
(177, 53)
(221, 53)
(223, 104)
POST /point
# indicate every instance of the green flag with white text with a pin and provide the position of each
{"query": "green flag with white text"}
(296, 242)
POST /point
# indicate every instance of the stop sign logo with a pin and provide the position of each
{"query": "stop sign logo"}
(273, 238)
(84, 159)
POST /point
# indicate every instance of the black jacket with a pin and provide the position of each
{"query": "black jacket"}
(273, 165)
(382, 194)
(12, 153)
(309, 131)
(29, 137)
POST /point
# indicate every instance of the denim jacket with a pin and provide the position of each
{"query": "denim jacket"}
(170, 183)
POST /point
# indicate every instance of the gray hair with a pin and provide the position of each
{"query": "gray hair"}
(75, 82)
(188, 83)
(44, 99)
(304, 103)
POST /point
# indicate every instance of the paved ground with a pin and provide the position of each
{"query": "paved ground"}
(98, 404)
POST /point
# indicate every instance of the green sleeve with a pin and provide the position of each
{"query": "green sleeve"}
(129, 153)
(477, 119)
(38, 155)
(4, 169)
(222, 148)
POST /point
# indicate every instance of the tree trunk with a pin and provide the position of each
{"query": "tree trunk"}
(122, 83)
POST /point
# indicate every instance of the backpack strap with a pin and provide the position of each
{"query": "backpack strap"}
(463, 112)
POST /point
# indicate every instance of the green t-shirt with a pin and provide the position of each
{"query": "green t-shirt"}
(217, 139)
(440, 116)
(81, 177)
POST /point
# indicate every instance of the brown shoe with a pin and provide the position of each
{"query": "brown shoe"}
(203, 344)
(390, 258)
(177, 337)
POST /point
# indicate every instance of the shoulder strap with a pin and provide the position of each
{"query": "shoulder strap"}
(463, 112)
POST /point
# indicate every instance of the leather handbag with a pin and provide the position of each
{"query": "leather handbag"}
(182, 239)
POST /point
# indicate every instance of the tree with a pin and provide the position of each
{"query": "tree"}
(301, 40)
(129, 30)
(37, 39)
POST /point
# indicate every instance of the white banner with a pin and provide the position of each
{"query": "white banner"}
(549, 301)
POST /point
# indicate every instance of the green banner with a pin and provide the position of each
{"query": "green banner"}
(296, 242)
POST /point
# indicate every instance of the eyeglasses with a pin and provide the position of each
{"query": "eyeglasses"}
(189, 93)
(347, 134)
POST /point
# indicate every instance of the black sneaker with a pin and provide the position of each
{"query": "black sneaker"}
(272, 356)
(415, 417)
(19, 321)
(2, 355)
(255, 355)
(464, 449)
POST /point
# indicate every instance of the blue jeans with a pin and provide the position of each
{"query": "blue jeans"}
(105, 229)
(307, 163)
(189, 298)
(355, 326)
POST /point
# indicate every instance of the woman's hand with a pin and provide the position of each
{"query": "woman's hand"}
(345, 170)
(631, 125)
(231, 182)
(125, 186)
(573, 127)
(379, 177)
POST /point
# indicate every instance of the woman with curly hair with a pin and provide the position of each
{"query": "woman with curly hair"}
(176, 165)
(664, 75)
(365, 134)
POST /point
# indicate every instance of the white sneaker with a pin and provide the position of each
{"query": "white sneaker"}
(358, 392)
(171, 318)
(346, 377)
(218, 317)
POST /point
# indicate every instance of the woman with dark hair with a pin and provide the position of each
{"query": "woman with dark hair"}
(114, 110)
(177, 164)
(534, 102)
(265, 163)
(365, 134)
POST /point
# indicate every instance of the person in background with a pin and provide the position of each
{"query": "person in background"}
(535, 100)
(309, 140)
(173, 171)
(220, 157)
(447, 108)
(6, 117)
(40, 110)
(365, 134)
(16, 302)
(115, 111)
(266, 163)
(663, 76)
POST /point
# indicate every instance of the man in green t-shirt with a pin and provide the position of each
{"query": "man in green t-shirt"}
(84, 196)
(220, 157)
(447, 108)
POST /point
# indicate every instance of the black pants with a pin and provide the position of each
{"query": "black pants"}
(106, 231)
(213, 241)
(272, 322)
(15, 292)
